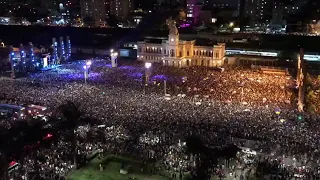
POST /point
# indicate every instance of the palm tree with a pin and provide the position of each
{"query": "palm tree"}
(72, 114)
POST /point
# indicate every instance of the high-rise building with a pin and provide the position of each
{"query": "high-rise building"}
(93, 12)
(50, 5)
(121, 8)
(281, 10)
(193, 10)
(257, 12)
(277, 12)
(241, 17)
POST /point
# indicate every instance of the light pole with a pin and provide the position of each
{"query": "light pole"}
(147, 66)
(114, 56)
(86, 70)
(165, 87)
(85, 73)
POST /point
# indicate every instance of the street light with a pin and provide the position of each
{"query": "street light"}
(114, 56)
(147, 65)
(88, 63)
(231, 24)
(85, 73)
(86, 70)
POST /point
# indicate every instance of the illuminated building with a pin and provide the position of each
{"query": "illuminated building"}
(256, 11)
(193, 10)
(277, 12)
(180, 53)
(121, 8)
(95, 10)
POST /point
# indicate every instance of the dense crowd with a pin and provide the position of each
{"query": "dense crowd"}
(140, 121)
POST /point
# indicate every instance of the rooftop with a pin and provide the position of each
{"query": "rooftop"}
(205, 42)
(154, 41)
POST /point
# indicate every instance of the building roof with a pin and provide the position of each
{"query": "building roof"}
(153, 41)
(205, 42)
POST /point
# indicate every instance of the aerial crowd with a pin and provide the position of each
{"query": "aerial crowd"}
(131, 118)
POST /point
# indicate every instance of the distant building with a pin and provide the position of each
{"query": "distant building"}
(205, 16)
(180, 53)
(50, 5)
(121, 8)
(255, 11)
(281, 10)
(277, 12)
(193, 11)
(94, 10)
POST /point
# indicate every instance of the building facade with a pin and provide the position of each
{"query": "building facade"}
(95, 10)
(180, 53)
(255, 11)
(121, 8)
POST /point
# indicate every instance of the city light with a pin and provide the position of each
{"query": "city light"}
(147, 65)
(88, 63)
(114, 56)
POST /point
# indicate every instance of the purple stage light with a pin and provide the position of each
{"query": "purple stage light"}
(159, 77)
(135, 75)
(184, 25)
(127, 67)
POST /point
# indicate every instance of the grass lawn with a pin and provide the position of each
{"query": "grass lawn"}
(111, 172)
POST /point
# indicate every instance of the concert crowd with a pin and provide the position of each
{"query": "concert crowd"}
(133, 119)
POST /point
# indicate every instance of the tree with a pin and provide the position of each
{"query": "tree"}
(72, 114)
(204, 157)
(228, 152)
(13, 142)
(4, 165)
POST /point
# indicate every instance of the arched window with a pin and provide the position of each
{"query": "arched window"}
(172, 53)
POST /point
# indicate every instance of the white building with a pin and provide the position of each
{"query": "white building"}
(180, 53)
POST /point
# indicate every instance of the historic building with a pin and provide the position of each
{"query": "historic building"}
(180, 53)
